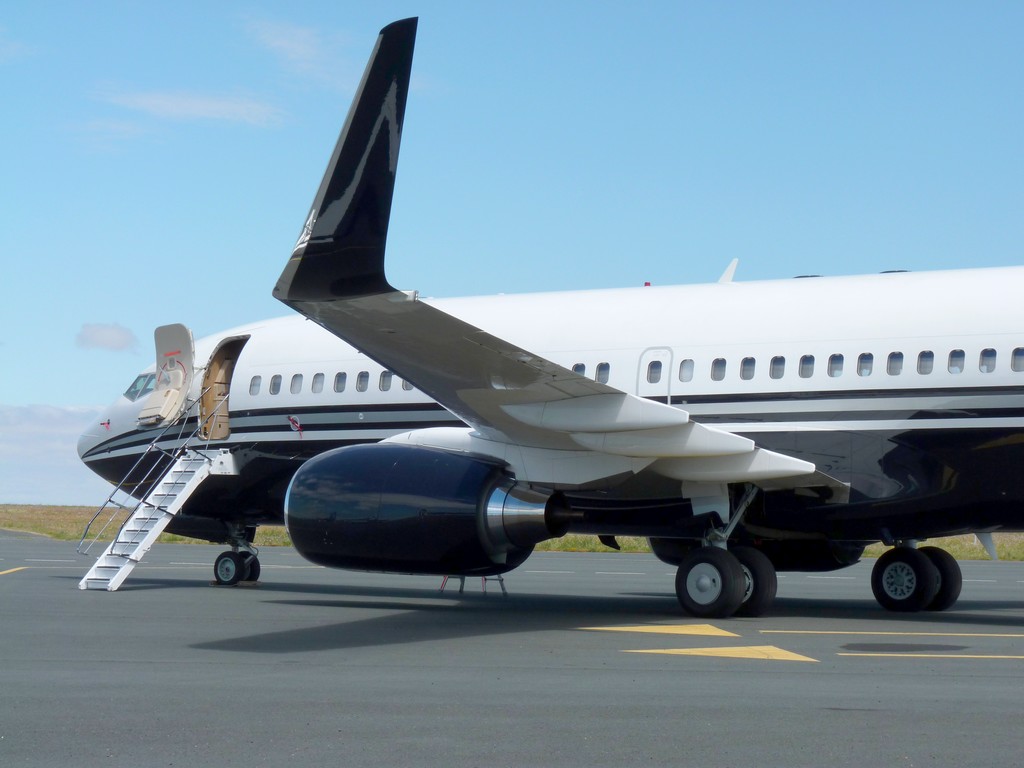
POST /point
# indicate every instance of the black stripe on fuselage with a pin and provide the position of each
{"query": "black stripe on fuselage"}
(906, 405)
(918, 393)
(336, 419)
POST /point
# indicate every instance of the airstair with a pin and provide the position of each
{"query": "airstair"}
(173, 476)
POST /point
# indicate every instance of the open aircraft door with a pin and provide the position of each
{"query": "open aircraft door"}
(174, 369)
(214, 422)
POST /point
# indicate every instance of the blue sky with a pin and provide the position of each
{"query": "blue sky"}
(159, 160)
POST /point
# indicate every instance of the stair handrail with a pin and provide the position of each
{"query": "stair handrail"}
(173, 455)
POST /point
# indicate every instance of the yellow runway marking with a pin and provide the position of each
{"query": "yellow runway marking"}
(703, 630)
(14, 570)
(769, 652)
(880, 634)
(932, 656)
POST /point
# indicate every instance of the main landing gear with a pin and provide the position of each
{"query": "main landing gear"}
(715, 582)
(907, 579)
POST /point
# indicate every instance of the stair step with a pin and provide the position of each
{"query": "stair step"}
(146, 520)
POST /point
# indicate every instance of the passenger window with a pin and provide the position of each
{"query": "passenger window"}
(718, 369)
(686, 370)
(580, 368)
(778, 368)
(925, 362)
(317, 385)
(254, 385)
(603, 369)
(865, 363)
(386, 378)
(654, 372)
(363, 381)
(747, 368)
(835, 366)
(275, 384)
(894, 366)
(987, 361)
(1017, 360)
(407, 386)
(296, 385)
(806, 366)
(956, 361)
(340, 380)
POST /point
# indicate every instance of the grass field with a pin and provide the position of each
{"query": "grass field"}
(67, 524)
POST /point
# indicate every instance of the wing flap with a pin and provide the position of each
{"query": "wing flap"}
(617, 412)
(754, 466)
(687, 440)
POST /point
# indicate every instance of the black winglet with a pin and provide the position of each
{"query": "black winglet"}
(340, 253)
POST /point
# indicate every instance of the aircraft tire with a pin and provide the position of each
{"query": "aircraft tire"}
(254, 568)
(253, 564)
(951, 579)
(760, 581)
(230, 568)
(904, 580)
(710, 583)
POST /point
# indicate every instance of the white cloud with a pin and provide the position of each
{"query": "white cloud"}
(298, 47)
(186, 105)
(39, 462)
(11, 49)
(108, 135)
(106, 336)
(307, 51)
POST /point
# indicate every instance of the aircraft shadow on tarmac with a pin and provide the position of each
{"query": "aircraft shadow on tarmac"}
(426, 614)
(418, 615)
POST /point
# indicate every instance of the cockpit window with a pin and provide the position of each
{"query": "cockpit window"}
(141, 387)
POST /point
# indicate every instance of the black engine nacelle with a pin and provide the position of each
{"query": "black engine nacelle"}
(407, 509)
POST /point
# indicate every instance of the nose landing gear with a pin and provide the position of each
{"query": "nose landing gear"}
(241, 562)
(232, 567)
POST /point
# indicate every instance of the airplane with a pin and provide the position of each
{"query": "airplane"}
(742, 428)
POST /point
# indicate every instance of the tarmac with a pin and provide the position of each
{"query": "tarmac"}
(588, 661)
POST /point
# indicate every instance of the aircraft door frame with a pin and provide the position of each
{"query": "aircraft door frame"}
(214, 415)
(661, 387)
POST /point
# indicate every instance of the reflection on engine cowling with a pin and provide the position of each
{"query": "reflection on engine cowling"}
(408, 509)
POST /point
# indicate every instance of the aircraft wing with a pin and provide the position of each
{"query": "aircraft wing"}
(336, 278)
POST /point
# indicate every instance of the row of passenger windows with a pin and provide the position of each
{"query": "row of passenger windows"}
(863, 365)
(385, 381)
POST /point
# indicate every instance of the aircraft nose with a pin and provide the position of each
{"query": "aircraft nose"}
(93, 435)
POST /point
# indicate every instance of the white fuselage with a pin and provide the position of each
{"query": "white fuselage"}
(813, 348)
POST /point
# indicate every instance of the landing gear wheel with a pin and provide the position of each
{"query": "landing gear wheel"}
(759, 581)
(950, 578)
(230, 568)
(710, 583)
(904, 579)
(253, 564)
